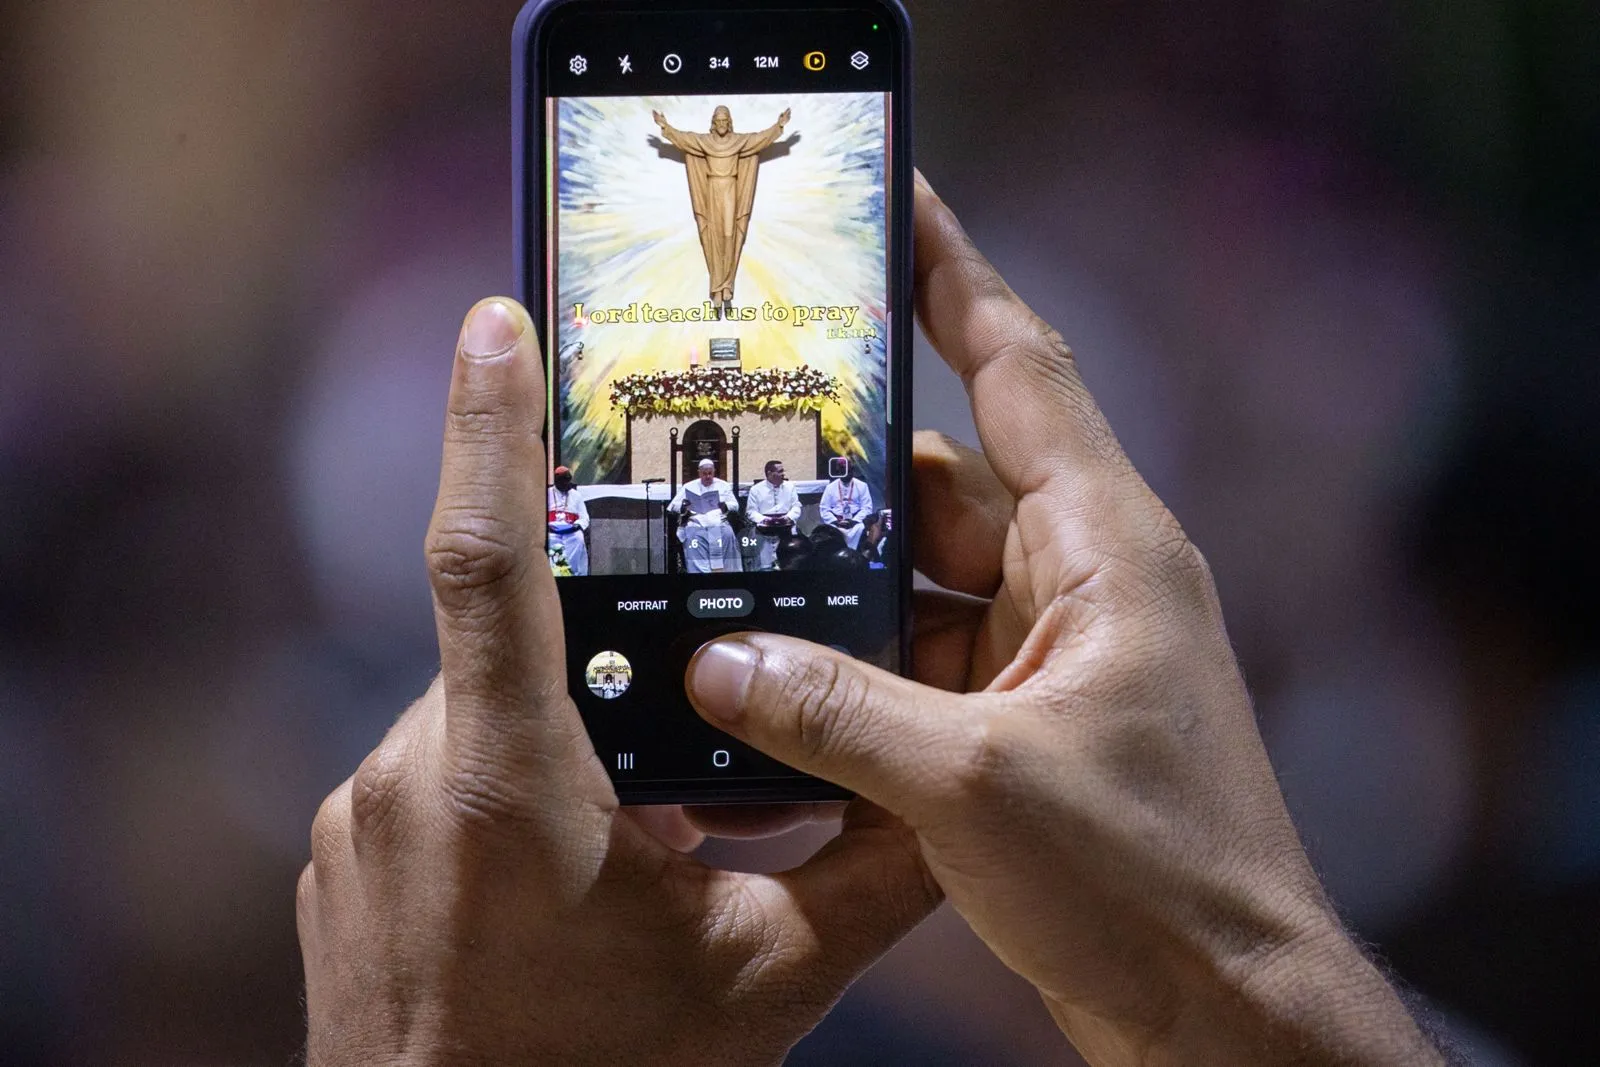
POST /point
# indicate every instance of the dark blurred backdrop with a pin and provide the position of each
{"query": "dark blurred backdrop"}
(1332, 269)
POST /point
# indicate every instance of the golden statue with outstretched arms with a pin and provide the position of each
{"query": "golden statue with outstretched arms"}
(722, 168)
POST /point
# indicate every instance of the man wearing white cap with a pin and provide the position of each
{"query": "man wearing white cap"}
(703, 507)
(568, 519)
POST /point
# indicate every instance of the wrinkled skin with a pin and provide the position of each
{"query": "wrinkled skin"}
(476, 894)
(1096, 801)
(1076, 765)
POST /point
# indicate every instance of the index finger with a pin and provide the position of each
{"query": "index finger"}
(508, 716)
(1035, 416)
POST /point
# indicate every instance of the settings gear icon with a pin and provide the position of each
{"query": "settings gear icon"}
(578, 65)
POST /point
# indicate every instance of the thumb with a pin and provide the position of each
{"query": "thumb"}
(827, 714)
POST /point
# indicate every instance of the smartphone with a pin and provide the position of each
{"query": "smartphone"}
(713, 225)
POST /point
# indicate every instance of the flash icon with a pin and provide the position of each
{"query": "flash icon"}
(626, 64)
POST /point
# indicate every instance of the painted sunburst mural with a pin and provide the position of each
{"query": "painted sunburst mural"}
(627, 236)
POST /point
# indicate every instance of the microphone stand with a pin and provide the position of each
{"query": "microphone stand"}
(649, 537)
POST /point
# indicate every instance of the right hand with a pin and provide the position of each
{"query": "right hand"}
(661, 120)
(1098, 805)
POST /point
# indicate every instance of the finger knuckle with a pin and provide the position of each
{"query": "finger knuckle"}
(305, 899)
(376, 792)
(330, 829)
(1049, 344)
(828, 705)
(1179, 573)
(479, 415)
(936, 449)
(989, 762)
(964, 273)
(479, 798)
(473, 558)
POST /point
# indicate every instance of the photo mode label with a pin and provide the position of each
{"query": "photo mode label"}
(721, 603)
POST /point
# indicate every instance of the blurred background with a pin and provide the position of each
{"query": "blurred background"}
(1333, 270)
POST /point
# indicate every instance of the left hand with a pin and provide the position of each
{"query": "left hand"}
(477, 895)
(783, 119)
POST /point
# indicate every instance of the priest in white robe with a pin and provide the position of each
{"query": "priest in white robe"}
(846, 503)
(774, 506)
(703, 506)
(568, 519)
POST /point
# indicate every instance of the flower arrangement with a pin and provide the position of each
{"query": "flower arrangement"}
(803, 389)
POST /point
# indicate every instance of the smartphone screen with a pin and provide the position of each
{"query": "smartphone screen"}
(713, 212)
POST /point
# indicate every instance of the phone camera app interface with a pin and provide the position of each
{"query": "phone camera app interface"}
(717, 307)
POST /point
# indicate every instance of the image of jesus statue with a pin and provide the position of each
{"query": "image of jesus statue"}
(722, 188)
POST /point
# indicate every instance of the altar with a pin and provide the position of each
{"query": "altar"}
(674, 419)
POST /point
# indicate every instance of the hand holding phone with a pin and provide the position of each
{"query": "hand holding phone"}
(478, 861)
(1078, 753)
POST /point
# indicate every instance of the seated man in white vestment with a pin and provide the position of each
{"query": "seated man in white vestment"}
(703, 507)
(846, 503)
(774, 507)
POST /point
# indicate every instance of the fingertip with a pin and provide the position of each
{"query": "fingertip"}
(934, 448)
(668, 825)
(718, 676)
(492, 328)
(496, 383)
(748, 822)
(963, 510)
